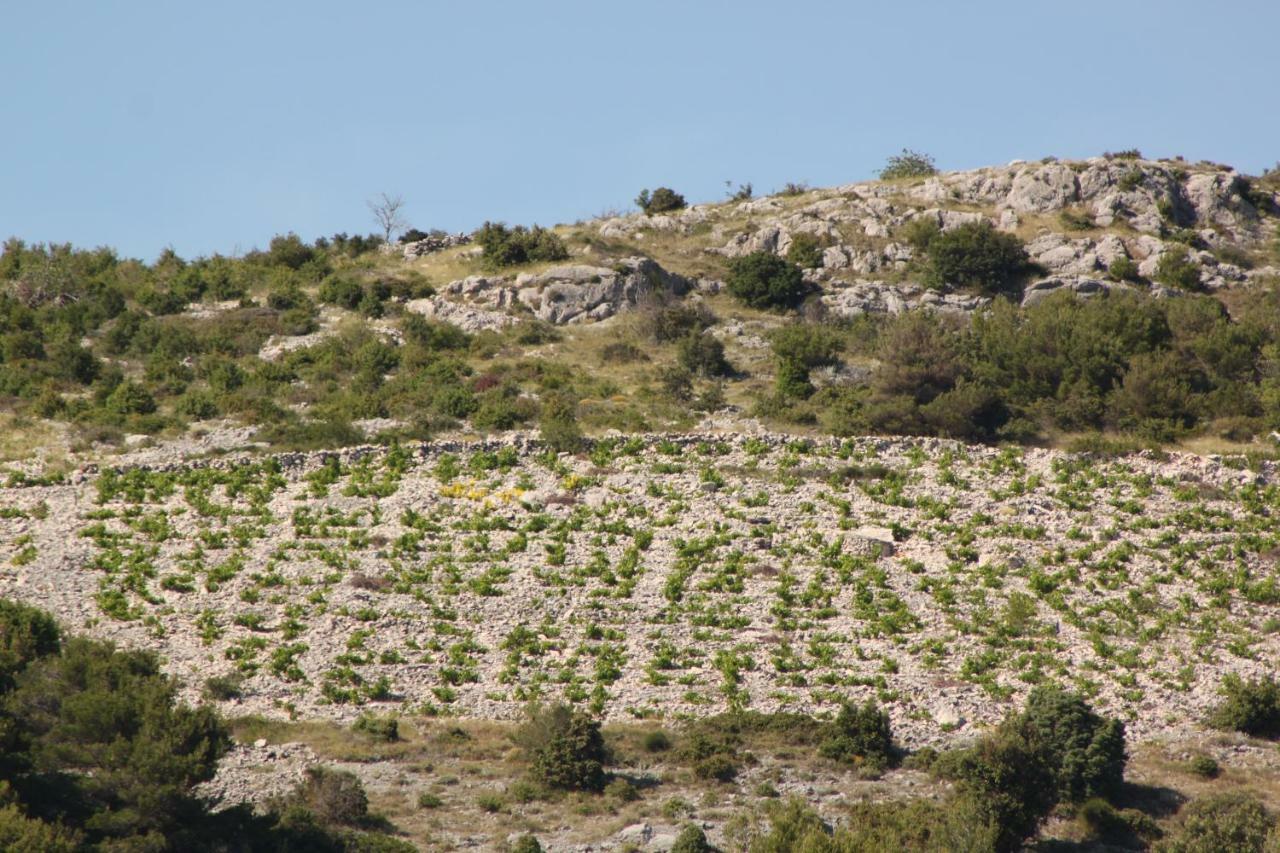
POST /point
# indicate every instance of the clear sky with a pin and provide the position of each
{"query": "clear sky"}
(212, 126)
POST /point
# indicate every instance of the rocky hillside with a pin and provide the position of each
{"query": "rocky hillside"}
(1078, 219)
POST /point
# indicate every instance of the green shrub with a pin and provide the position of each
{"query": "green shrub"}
(221, 688)
(661, 200)
(717, 767)
(908, 164)
(428, 800)
(558, 424)
(26, 634)
(1204, 766)
(691, 840)
(1007, 781)
(920, 232)
(386, 729)
(1085, 750)
(30, 835)
(1176, 269)
(859, 735)
(565, 748)
(656, 741)
(621, 790)
(805, 251)
(1127, 828)
(798, 349)
(702, 353)
(526, 844)
(1251, 707)
(1124, 269)
(674, 322)
(976, 255)
(763, 280)
(130, 398)
(505, 247)
(622, 353)
(1234, 822)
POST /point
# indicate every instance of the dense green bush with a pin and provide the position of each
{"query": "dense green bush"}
(1085, 750)
(908, 164)
(975, 255)
(558, 424)
(1176, 269)
(703, 354)
(1251, 707)
(564, 747)
(691, 840)
(1008, 783)
(763, 280)
(1124, 269)
(859, 735)
(661, 200)
(506, 247)
(798, 349)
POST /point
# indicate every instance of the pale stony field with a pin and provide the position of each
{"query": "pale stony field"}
(659, 578)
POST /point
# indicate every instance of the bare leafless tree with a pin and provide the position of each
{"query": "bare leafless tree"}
(386, 212)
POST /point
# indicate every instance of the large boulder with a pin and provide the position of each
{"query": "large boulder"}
(580, 293)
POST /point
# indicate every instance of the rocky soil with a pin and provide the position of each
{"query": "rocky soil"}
(674, 576)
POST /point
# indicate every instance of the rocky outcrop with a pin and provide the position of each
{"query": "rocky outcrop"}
(575, 293)
(433, 243)
(878, 297)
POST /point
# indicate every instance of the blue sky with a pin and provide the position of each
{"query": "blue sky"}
(210, 127)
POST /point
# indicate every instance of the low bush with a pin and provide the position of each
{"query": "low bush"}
(1233, 822)
(763, 280)
(661, 200)
(1176, 269)
(1124, 269)
(386, 729)
(908, 164)
(506, 247)
(859, 735)
(691, 840)
(805, 251)
(703, 354)
(333, 796)
(1251, 707)
(558, 424)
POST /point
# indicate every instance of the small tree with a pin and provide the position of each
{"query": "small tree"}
(908, 164)
(386, 210)
(661, 200)
(565, 747)
(764, 280)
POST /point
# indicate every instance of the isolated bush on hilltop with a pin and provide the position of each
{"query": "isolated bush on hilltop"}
(661, 200)
(908, 164)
